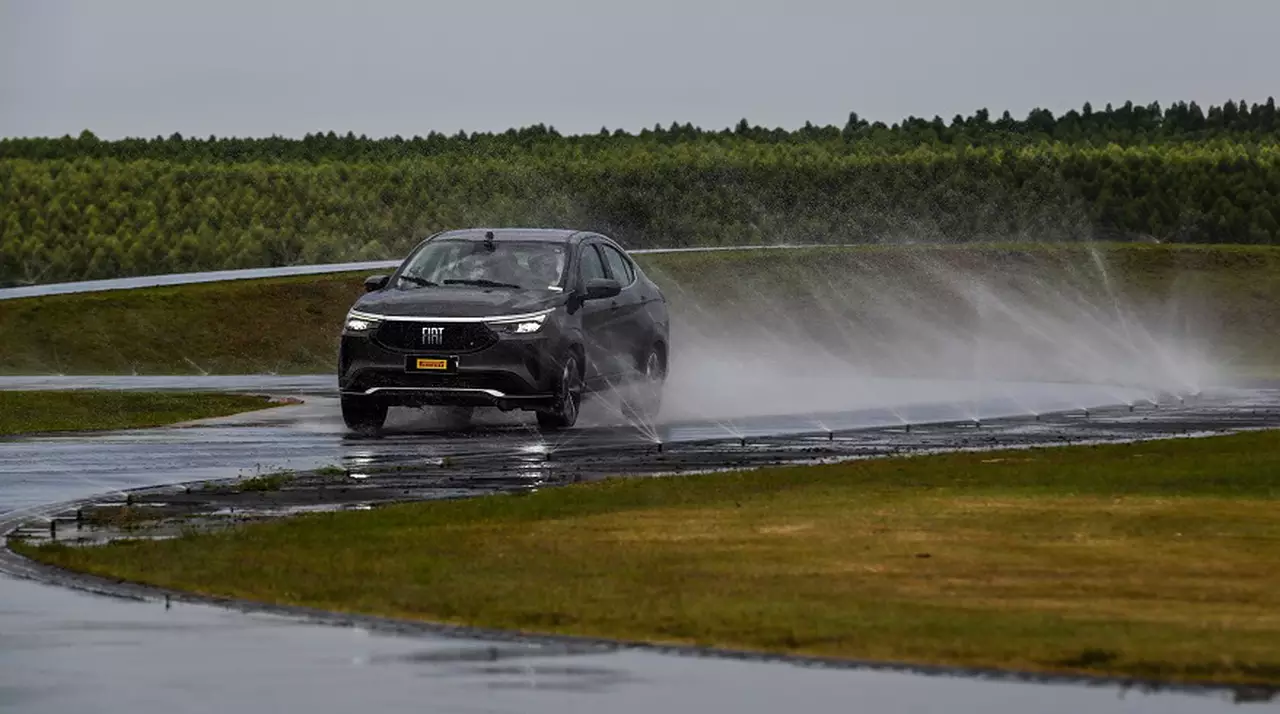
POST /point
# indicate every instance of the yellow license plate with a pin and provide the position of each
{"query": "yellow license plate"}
(432, 363)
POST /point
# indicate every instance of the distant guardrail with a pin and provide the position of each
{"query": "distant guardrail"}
(152, 281)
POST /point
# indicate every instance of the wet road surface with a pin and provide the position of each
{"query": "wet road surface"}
(99, 654)
(64, 650)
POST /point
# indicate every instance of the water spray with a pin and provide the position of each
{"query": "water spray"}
(829, 341)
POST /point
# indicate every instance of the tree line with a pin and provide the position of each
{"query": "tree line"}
(1127, 125)
(89, 217)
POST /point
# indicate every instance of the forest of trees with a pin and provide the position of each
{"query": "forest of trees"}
(83, 208)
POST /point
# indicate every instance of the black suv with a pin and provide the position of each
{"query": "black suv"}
(510, 318)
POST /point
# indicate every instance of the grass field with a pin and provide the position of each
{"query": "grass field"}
(54, 411)
(290, 325)
(1151, 560)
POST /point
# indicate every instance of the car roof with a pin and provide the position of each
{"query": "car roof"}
(547, 235)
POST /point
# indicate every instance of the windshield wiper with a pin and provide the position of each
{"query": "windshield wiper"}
(419, 281)
(482, 283)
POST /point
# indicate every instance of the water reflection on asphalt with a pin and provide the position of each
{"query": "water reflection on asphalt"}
(66, 651)
(63, 650)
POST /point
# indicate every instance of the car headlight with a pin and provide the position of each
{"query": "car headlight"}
(524, 326)
(360, 323)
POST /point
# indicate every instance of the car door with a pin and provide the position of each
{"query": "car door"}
(597, 333)
(631, 336)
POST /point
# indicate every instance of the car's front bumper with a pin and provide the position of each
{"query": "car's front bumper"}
(512, 373)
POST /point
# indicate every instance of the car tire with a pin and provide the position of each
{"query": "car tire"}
(644, 398)
(568, 400)
(363, 414)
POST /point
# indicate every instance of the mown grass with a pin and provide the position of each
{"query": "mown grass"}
(1152, 560)
(85, 410)
(290, 325)
(286, 325)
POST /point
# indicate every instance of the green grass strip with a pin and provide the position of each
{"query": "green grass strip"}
(80, 410)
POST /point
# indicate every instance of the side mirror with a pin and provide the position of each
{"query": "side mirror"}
(375, 282)
(601, 288)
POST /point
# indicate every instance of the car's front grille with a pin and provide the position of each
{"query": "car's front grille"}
(435, 336)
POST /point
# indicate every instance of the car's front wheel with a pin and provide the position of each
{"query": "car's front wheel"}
(363, 414)
(564, 409)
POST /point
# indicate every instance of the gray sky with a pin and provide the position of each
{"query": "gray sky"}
(384, 67)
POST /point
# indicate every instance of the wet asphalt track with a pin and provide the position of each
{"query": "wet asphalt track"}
(63, 650)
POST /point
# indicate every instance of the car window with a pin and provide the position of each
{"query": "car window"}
(621, 268)
(529, 264)
(592, 267)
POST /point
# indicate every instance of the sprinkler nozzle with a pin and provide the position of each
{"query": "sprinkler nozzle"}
(1130, 407)
(831, 436)
(744, 441)
(53, 528)
(977, 423)
(1037, 417)
(659, 447)
(908, 427)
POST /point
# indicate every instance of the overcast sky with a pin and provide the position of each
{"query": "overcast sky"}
(384, 67)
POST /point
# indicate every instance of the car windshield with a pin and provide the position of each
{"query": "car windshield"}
(513, 264)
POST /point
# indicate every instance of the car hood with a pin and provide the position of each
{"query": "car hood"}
(458, 301)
